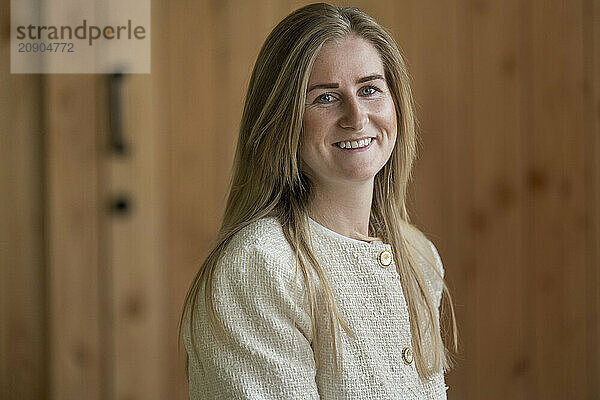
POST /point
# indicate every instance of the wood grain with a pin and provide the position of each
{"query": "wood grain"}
(23, 348)
(73, 211)
(591, 54)
(555, 177)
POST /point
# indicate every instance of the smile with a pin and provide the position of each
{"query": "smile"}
(354, 144)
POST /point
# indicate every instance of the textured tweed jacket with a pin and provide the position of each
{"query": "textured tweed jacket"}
(271, 356)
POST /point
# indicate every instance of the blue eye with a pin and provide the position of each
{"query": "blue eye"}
(369, 90)
(324, 98)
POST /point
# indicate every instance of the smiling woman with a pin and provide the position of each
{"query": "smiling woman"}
(318, 285)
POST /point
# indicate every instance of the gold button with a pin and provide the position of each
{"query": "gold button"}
(407, 355)
(384, 258)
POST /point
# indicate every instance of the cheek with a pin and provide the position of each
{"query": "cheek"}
(309, 138)
(313, 120)
(385, 113)
(313, 129)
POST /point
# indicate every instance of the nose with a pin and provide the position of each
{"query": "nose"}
(354, 116)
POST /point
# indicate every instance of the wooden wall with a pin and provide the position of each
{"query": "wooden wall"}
(507, 186)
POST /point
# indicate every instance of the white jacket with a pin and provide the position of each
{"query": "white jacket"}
(271, 357)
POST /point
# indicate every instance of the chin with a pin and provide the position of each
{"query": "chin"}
(363, 174)
(360, 177)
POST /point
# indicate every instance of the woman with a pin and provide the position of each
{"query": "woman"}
(316, 235)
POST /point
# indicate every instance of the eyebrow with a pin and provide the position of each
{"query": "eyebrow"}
(336, 85)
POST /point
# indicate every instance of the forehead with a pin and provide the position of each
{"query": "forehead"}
(348, 58)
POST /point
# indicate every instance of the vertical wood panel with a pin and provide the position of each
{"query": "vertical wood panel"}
(73, 243)
(136, 241)
(591, 54)
(23, 373)
(496, 217)
(556, 174)
(526, 127)
(467, 222)
(594, 41)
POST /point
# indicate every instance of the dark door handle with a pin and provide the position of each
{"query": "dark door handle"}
(116, 140)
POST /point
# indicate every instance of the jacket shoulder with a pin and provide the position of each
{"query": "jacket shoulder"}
(264, 236)
(257, 253)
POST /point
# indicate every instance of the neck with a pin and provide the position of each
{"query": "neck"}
(343, 208)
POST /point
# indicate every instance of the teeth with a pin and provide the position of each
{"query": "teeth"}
(355, 144)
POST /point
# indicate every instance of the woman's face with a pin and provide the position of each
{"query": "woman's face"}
(349, 120)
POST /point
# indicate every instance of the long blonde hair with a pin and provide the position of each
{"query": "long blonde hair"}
(267, 177)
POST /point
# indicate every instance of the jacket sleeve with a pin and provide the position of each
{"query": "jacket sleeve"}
(266, 354)
(440, 268)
